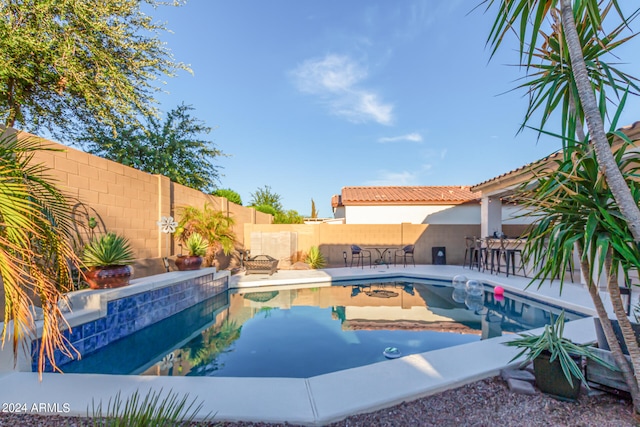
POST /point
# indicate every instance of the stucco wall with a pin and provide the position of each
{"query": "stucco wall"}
(334, 239)
(468, 213)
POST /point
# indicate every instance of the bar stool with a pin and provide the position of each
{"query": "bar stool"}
(479, 254)
(470, 245)
(510, 257)
(494, 248)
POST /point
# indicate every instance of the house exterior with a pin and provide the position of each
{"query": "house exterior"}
(449, 204)
(502, 186)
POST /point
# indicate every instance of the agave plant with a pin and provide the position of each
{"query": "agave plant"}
(315, 259)
(197, 245)
(107, 250)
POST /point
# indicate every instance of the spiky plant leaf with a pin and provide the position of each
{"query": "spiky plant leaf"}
(107, 250)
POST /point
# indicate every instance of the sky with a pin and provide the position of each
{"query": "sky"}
(307, 97)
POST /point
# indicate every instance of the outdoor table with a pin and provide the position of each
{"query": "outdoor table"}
(382, 252)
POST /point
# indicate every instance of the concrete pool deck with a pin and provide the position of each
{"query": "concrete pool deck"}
(309, 401)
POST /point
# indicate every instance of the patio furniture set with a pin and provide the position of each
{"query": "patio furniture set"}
(384, 255)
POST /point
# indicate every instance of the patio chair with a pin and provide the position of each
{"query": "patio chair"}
(359, 254)
(404, 253)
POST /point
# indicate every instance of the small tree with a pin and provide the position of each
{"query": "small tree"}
(264, 196)
(314, 212)
(172, 148)
(67, 64)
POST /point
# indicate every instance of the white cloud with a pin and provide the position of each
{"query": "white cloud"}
(411, 137)
(335, 80)
(394, 178)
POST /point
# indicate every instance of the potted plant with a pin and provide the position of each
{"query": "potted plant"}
(555, 359)
(196, 247)
(108, 258)
(214, 225)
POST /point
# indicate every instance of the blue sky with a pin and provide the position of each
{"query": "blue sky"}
(310, 96)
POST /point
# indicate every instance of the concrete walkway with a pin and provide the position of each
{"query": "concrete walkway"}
(318, 400)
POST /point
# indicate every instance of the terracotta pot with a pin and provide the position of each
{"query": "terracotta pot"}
(114, 276)
(188, 262)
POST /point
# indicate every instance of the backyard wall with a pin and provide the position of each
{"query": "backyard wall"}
(131, 202)
(334, 239)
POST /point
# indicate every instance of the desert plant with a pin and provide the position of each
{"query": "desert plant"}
(315, 259)
(552, 340)
(107, 250)
(197, 245)
(35, 250)
(214, 226)
(152, 410)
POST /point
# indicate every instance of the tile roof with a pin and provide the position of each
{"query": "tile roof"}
(405, 195)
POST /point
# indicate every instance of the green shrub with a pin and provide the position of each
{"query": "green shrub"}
(266, 209)
(315, 259)
(229, 194)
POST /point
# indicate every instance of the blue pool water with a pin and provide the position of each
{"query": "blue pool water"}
(302, 332)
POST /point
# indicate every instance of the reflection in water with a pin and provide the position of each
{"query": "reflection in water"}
(303, 332)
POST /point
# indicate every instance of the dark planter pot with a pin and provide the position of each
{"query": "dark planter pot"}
(188, 262)
(602, 339)
(551, 380)
(114, 276)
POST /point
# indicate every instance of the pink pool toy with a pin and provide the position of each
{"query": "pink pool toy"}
(498, 290)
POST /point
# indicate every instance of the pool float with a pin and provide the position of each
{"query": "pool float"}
(391, 353)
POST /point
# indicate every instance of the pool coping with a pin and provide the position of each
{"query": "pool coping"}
(317, 400)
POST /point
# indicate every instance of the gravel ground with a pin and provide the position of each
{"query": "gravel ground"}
(484, 403)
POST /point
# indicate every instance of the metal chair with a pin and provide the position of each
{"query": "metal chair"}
(404, 253)
(359, 254)
(478, 254)
(510, 252)
(494, 249)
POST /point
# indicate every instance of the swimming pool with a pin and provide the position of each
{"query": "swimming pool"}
(289, 331)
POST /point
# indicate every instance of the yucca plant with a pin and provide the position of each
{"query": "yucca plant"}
(107, 250)
(552, 340)
(197, 245)
(315, 259)
(152, 410)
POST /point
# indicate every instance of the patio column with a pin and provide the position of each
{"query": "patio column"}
(490, 215)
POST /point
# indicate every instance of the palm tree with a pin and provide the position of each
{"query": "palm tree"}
(573, 208)
(525, 18)
(35, 251)
(570, 73)
(213, 225)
